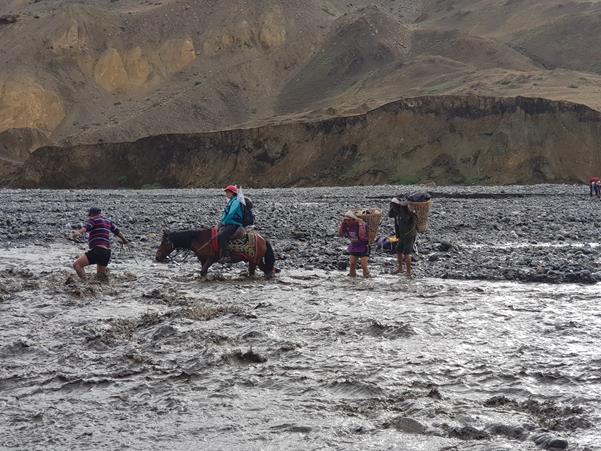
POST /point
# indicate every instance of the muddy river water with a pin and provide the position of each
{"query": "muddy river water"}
(461, 357)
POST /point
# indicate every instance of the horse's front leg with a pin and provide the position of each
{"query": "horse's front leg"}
(206, 264)
(251, 269)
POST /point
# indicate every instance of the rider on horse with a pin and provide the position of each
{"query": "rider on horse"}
(237, 215)
(232, 219)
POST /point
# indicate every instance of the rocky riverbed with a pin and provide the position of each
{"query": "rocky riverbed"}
(493, 345)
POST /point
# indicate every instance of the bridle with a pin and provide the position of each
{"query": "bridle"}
(185, 252)
(171, 256)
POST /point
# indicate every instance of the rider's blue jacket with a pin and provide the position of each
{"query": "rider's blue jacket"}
(233, 213)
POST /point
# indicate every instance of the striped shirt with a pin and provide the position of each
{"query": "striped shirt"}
(98, 228)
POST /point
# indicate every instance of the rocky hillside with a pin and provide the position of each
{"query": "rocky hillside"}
(447, 139)
(103, 71)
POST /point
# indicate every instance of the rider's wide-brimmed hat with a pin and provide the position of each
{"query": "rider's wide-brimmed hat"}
(232, 189)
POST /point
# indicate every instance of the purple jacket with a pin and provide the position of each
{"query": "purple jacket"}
(358, 234)
(98, 228)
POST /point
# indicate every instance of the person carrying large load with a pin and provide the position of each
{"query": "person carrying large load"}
(410, 217)
(356, 230)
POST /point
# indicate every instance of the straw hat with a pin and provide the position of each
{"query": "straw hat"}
(351, 215)
(400, 203)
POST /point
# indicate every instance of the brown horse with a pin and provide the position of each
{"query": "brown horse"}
(203, 243)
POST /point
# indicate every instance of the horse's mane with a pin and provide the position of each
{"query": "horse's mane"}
(184, 238)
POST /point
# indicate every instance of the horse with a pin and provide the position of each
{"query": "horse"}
(204, 244)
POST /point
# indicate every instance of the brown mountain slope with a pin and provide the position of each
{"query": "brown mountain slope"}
(481, 53)
(501, 19)
(359, 44)
(571, 42)
(89, 71)
(119, 73)
(553, 33)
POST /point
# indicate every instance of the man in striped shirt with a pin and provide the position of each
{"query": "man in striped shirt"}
(98, 228)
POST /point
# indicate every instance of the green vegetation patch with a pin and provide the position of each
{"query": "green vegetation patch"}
(152, 186)
(405, 180)
(474, 180)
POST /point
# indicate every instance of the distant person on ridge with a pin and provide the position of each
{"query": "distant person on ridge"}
(405, 229)
(356, 230)
(98, 228)
(594, 186)
(232, 219)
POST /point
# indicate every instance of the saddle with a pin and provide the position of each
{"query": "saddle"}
(244, 243)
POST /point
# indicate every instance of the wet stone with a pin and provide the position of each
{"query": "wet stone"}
(468, 433)
(407, 425)
(163, 332)
(550, 442)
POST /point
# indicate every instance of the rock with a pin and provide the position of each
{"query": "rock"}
(408, 425)
(248, 357)
(512, 432)
(164, 331)
(549, 442)
(468, 433)
(434, 393)
(445, 246)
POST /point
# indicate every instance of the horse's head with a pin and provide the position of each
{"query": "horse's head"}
(165, 248)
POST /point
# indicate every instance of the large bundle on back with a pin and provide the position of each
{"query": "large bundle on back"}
(373, 218)
(420, 204)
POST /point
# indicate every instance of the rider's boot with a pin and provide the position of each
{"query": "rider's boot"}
(225, 256)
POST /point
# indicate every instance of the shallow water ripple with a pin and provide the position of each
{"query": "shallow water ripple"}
(158, 358)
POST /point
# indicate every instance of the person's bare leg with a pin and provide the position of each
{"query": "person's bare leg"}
(79, 265)
(102, 272)
(400, 259)
(353, 266)
(408, 260)
(364, 262)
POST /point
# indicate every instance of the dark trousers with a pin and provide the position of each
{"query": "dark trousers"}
(225, 234)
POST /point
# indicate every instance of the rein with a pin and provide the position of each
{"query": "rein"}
(185, 252)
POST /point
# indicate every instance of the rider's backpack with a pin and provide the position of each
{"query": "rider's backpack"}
(248, 217)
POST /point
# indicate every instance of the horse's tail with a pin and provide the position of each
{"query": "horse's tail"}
(267, 263)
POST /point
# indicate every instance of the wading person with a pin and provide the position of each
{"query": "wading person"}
(405, 229)
(231, 221)
(98, 229)
(356, 230)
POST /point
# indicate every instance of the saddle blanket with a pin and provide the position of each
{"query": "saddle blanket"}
(246, 245)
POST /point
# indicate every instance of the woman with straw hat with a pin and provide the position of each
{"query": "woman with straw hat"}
(356, 230)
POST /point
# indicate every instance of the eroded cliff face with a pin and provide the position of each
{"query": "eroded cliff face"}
(447, 139)
(16, 144)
